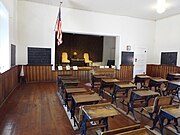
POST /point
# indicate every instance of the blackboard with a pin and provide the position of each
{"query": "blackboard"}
(169, 58)
(127, 58)
(13, 55)
(40, 56)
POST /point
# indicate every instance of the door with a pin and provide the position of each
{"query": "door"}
(140, 60)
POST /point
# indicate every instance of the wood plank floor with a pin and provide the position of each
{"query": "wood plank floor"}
(35, 109)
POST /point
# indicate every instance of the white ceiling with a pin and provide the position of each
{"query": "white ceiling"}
(145, 9)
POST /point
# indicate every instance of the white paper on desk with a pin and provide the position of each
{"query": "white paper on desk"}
(75, 67)
(114, 67)
(67, 67)
(101, 67)
(60, 68)
(106, 66)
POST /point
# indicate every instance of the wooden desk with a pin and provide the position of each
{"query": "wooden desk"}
(170, 113)
(63, 77)
(97, 78)
(141, 94)
(141, 131)
(173, 76)
(173, 88)
(121, 86)
(141, 79)
(70, 90)
(83, 99)
(69, 82)
(108, 82)
(156, 82)
(97, 112)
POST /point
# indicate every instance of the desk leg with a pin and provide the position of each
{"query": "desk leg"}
(83, 126)
(176, 125)
(101, 90)
(131, 109)
(113, 95)
(161, 121)
(155, 122)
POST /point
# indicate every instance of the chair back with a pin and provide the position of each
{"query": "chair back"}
(162, 101)
(86, 58)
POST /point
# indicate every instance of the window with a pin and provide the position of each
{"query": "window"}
(4, 39)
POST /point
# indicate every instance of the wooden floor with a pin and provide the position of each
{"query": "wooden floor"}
(35, 109)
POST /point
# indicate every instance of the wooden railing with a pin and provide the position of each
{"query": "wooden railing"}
(8, 82)
(161, 70)
(39, 73)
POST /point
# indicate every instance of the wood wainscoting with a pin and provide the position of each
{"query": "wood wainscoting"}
(125, 73)
(8, 82)
(161, 70)
(39, 73)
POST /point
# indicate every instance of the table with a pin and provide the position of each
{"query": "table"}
(97, 78)
(77, 62)
(107, 82)
(121, 86)
(173, 76)
(141, 79)
(70, 90)
(156, 82)
(63, 77)
(141, 94)
(69, 82)
(83, 99)
(170, 113)
(173, 86)
(97, 112)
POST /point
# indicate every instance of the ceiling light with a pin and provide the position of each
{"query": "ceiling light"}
(161, 6)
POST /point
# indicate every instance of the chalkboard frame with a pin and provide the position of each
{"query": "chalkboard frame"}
(39, 56)
(169, 58)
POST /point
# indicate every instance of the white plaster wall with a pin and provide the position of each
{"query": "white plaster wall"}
(167, 37)
(108, 48)
(36, 28)
(11, 6)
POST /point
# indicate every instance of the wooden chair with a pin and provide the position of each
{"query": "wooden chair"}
(65, 58)
(128, 101)
(163, 89)
(154, 109)
(86, 58)
(121, 130)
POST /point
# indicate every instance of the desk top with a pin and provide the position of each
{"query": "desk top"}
(175, 82)
(100, 111)
(145, 93)
(141, 131)
(173, 111)
(101, 76)
(70, 81)
(143, 76)
(125, 85)
(75, 90)
(158, 79)
(110, 80)
(84, 98)
(67, 77)
(175, 74)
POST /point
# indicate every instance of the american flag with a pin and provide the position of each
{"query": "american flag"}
(58, 27)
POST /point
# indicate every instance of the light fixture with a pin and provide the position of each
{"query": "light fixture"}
(161, 6)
